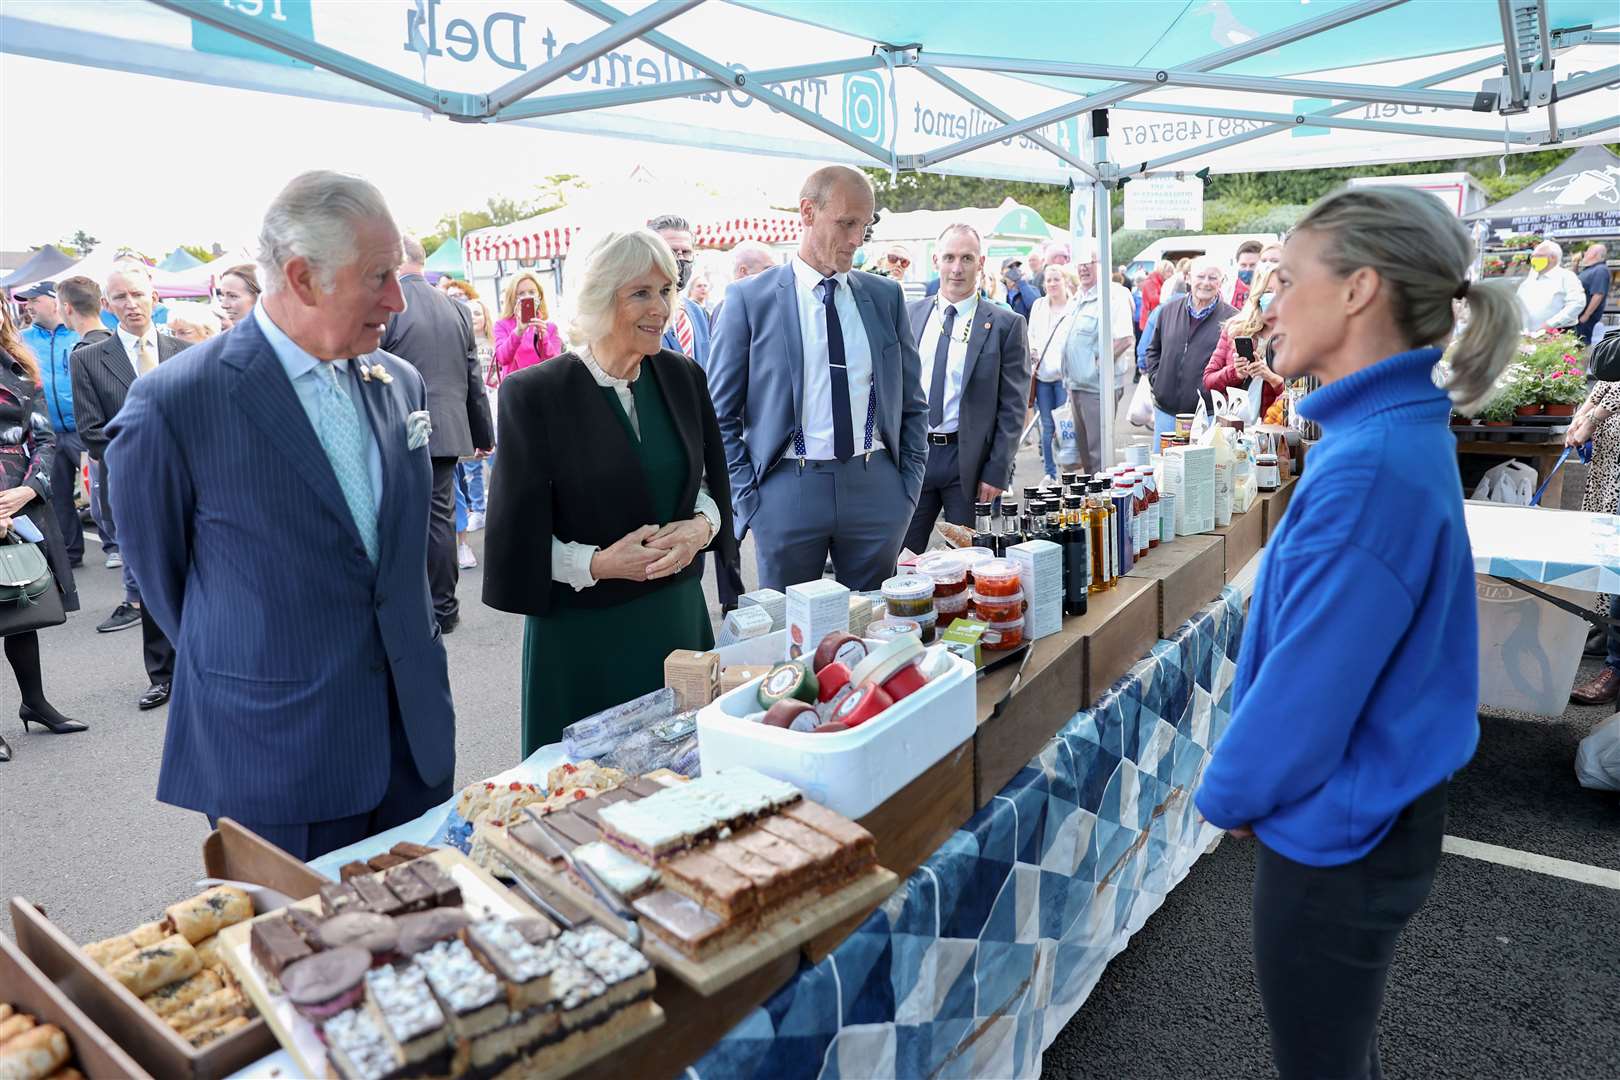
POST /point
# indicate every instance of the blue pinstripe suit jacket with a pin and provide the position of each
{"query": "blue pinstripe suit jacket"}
(287, 637)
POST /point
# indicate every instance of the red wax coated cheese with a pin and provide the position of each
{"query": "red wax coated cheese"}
(840, 646)
(783, 713)
(831, 727)
(903, 683)
(832, 678)
(859, 707)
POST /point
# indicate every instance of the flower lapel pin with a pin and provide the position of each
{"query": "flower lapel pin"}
(418, 427)
(375, 371)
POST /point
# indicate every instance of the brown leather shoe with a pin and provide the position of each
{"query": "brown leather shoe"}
(1600, 689)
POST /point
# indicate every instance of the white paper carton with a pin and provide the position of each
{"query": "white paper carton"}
(1040, 572)
(1189, 474)
(814, 610)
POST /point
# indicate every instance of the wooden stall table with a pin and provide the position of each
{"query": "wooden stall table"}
(1541, 456)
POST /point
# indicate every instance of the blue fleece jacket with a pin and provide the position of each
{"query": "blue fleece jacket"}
(1358, 685)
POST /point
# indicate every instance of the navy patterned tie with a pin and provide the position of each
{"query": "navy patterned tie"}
(936, 385)
(843, 424)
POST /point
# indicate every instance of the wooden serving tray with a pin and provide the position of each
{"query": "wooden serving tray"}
(26, 989)
(480, 892)
(792, 928)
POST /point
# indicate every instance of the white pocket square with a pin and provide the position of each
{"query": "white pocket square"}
(418, 426)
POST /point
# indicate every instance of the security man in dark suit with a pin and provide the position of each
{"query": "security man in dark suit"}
(102, 374)
(434, 334)
(975, 374)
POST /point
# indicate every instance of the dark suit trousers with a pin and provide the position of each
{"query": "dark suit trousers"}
(64, 476)
(728, 582)
(443, 573)
(156, 652)
(407, 798)
(941, 490)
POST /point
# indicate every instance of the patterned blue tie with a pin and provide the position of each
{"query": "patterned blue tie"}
(345, 446)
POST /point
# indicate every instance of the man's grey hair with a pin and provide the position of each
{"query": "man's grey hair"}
(1551, 250)
(414, 251)
(819, 184)
(315, 217)
(130, 268)
(753, 256)
(669, 223)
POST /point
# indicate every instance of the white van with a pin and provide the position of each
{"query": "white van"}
(1222, 248)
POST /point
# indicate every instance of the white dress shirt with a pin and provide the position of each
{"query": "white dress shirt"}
(132, 345)
(1552, 298)
(817, 416)
(955, 357)
(571, 562)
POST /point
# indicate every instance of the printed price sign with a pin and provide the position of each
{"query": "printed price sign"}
(1165, 202)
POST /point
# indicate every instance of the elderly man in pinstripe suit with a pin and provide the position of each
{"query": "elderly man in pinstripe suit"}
(273, 500)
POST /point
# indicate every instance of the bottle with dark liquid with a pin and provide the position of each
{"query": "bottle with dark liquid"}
(1009, 534)
(983, 526)
(1076, 557)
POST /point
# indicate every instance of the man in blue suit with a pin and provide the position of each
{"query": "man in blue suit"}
(815, 380)
(688, 331)
(274, 506)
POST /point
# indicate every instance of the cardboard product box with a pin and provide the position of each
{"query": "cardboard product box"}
(25, 988)
(230, 852)
(1243, 540)
(694, 676)
(1040, 571)
(814, 610)
(772, 602)
(1190, 574)
(861, 608)
(1189, 475)
(736, 675)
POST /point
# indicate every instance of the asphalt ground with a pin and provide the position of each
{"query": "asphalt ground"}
(1505, 973)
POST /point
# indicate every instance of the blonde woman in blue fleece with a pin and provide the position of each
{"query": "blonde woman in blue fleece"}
(1353, 706)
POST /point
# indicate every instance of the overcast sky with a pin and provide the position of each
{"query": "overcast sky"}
(160, 162)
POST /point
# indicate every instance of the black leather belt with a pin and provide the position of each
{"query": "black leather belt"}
(937, 438)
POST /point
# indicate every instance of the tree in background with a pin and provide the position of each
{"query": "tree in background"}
(81, 242)
(549, 194)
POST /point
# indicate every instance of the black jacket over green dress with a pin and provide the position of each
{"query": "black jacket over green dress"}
(573, 468)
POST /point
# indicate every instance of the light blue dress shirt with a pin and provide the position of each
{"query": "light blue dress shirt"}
(301, 369)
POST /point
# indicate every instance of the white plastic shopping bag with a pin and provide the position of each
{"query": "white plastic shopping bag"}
(1141, 414)
(1512, 483)
(1597, 759)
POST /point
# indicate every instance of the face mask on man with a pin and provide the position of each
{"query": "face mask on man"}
(684, 267)
(1539, 263)
(1246, 276)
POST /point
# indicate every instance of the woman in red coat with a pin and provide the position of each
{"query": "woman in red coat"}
(1226, 369)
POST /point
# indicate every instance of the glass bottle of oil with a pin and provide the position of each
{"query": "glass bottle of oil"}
(1098, 515)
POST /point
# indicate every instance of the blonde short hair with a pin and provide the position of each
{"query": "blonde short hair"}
(193, 314)
(618, 258)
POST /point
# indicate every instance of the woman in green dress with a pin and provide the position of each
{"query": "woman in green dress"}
(612, 480)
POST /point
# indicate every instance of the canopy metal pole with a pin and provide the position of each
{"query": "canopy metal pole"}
(1103, 215)
(1336, 110)
(1210, 61)
(740, 82)
(1510, 53)
(1391, 127)
(987, 106)
(620, 31)
(553, 104)
(1585, 84)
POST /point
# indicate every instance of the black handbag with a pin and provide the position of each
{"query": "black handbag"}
(29, 598)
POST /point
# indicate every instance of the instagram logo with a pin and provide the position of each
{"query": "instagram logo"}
(866, 106)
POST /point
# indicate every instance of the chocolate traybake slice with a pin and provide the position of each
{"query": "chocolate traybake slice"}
(407, 850)
(275, 944)
(414, 894)
(861, 848)
(711, 883)
(797, 865)
(376, 896)
(340, 897)
(624, 972)
(446, 893)
(502, 949)
(768, 879)
(307, 924)
(353, 870)
(385, 861)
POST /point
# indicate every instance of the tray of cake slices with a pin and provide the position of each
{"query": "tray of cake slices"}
(722, 874)
(430, 967)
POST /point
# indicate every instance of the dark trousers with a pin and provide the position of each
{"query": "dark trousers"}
(728, 582)
(156, 652)
(443, 573)
(941, 490)
(64, 479)
(407, 798)
(1324, 937)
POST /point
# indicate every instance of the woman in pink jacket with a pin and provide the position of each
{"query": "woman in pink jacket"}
(520, 344)
(1227, 370)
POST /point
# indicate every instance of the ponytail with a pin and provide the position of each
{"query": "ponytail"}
(1422, 255)
(1486, 345)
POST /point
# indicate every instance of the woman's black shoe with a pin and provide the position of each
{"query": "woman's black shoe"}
(59, 725)
(5, 750)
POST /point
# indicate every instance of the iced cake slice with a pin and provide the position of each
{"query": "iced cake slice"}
(624, 972)
(524, 968)
(624, 875)
(405, 1007)
(358, 1049)
(468, 992)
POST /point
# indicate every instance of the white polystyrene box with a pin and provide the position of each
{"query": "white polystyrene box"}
(1529, 651)
(855, 771)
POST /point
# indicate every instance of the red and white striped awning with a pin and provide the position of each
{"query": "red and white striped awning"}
(531, 240)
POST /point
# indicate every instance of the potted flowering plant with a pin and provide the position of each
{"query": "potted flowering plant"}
(1498, 413)
(1563, 388)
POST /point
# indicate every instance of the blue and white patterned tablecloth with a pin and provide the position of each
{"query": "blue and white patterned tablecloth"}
(1557, 547)
(976, 963)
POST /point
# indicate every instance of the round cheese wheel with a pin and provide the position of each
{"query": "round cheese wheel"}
(831, 679)
(789, 679)
(861, 705)
(831, 727)
(783, 713)
(842, 646)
